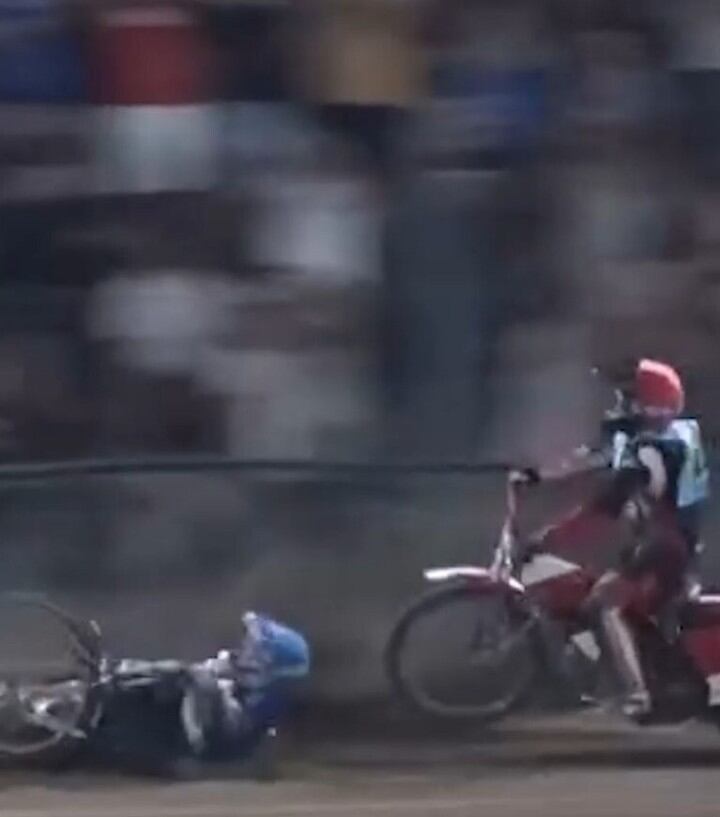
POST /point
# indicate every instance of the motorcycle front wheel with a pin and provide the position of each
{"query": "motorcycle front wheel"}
(458, 653)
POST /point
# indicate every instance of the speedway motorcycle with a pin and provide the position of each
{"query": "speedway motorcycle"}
(148, 716)
(493, 635)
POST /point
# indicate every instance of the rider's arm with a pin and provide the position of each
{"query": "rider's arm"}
(600, 513)
(583, 460)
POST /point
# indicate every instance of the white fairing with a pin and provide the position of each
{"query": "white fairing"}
(587, 644)
(545, 566)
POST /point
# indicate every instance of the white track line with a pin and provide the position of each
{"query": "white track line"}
(424, 805)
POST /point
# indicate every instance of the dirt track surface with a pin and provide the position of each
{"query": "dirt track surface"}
(560, 768)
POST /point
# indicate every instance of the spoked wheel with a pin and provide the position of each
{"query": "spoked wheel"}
(456, 653)
(49, 661)
(35, 719)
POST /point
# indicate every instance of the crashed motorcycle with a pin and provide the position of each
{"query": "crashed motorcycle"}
(481, 640)
(149, 716)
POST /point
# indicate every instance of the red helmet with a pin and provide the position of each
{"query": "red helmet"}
(658, 389)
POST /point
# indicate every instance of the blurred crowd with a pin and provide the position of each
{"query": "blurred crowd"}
(349, 228)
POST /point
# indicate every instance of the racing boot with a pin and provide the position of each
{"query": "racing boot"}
(638, 702)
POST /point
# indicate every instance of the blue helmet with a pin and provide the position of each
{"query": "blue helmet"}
(283, 651)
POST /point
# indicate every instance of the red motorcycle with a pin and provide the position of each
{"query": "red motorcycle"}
(488, 636)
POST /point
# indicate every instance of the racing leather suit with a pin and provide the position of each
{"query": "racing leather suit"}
(660, 480)
(240, 694)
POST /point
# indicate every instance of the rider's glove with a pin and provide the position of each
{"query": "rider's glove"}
(527, 476)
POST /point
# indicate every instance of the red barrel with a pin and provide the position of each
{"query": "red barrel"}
(150, 55)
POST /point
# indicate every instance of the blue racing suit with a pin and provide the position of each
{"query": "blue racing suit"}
(243, 693)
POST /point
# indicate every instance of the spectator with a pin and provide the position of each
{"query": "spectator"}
(362, 69)
(158, 327)
(693, 29)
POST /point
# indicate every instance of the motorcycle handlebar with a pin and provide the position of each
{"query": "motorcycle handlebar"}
(582, 460)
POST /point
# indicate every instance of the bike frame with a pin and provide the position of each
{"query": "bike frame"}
(500, 572)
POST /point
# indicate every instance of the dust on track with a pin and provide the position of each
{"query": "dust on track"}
(574, 768)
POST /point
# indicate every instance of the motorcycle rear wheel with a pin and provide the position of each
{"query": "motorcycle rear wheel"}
(508, 631)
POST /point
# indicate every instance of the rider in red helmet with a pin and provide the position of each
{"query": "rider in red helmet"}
(660, 480)
(659, 392)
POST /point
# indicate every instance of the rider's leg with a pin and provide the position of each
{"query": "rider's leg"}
(612, 596)
(626, 660)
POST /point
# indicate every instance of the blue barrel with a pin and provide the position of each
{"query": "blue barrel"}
(41, 59)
